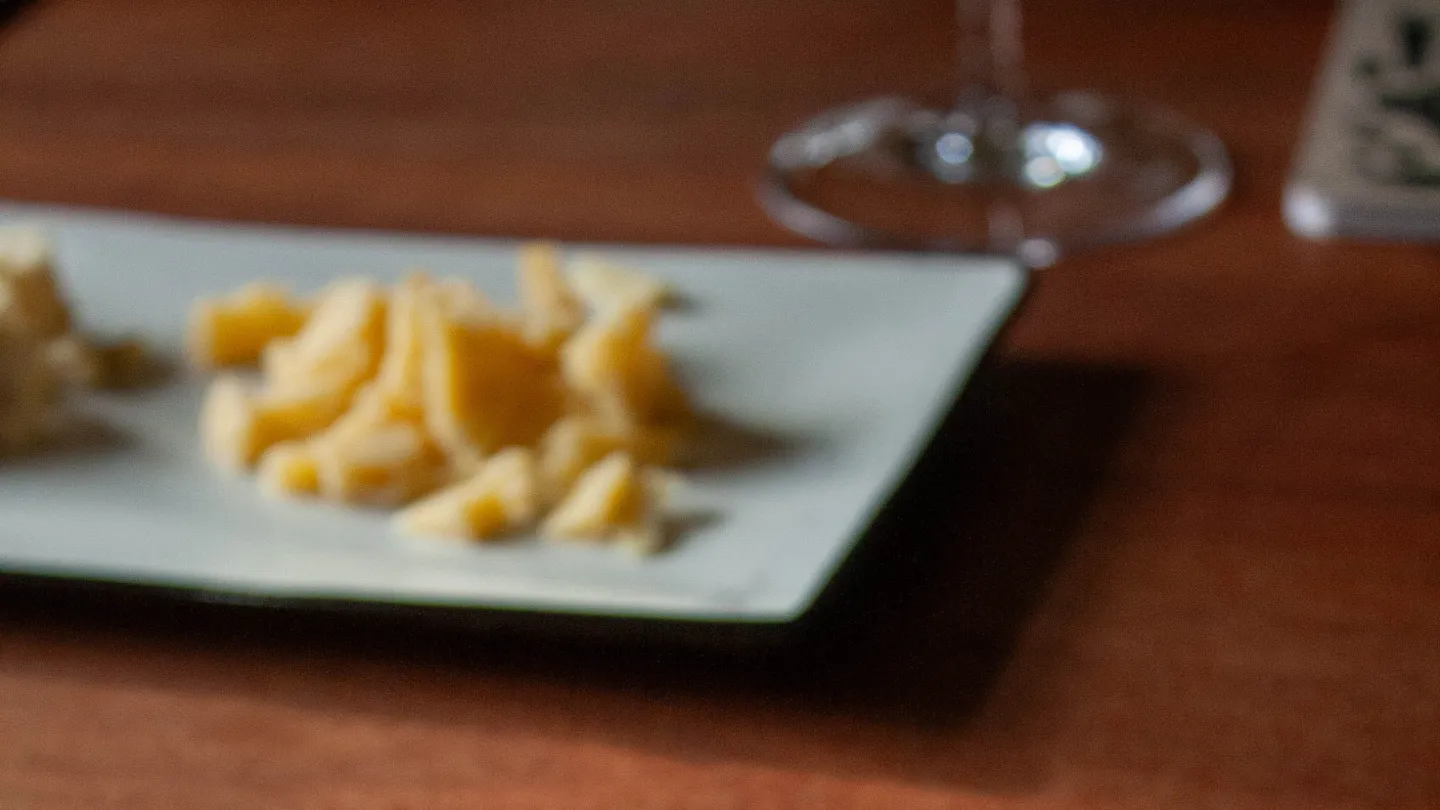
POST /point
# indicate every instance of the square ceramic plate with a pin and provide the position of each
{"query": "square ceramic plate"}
(845, 363)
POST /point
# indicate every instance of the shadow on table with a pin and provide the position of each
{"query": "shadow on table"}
(927, 612)
(895, 672)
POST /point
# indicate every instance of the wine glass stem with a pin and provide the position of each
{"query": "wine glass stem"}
(990, 87)
(988, 52)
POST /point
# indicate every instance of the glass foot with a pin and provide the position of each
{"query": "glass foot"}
(1078, 171)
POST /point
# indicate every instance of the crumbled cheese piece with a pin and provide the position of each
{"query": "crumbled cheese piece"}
(499, 499)
(608, 287)
(76, 361)
(234, 330)
(238, 424)
(390, 464)
(126, 364)
(413, 303)
(612, 501)
(625, 380)
(550, 308)
(485, 388)
(40, 356)
(289, 469)
(30, 395)
(380, 451)
(575, 443)
(338, 347)
(228, 425)
(116, 366)
(30, 301)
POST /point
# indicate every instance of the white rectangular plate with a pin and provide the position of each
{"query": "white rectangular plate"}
(850, 360)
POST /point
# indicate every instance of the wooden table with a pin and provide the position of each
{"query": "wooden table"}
(1204, 552)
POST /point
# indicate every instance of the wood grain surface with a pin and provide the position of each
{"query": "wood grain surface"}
(1195, 563)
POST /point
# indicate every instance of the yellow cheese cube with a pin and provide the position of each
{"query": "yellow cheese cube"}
(607, 287)
(234, 330)
(550, 309)
(612, 501)
(499, 499)
(30, 302)
(485, 388)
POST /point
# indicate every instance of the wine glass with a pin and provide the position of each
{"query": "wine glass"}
(998, 171)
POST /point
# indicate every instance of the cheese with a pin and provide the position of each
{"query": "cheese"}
(289, 469)
(379, 452)
(499, 499)
(30, 395)
(399, 378)
(389, 464)
(612, 501)
(41, 356)
(76, 361)
(485, 388)
(607, 287)
(30, 301)
(550, 309)
(428, 396)
(620, 375)
(340, 345)
(125, 364)
(238, 424)
(234, 330)
(575, 443)
(228, 425)
(33, 375)
(463, 301)
(113, 366)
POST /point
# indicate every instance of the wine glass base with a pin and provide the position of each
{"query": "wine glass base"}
(1077, 171)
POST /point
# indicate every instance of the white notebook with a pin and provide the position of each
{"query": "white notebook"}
(1368, 165)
